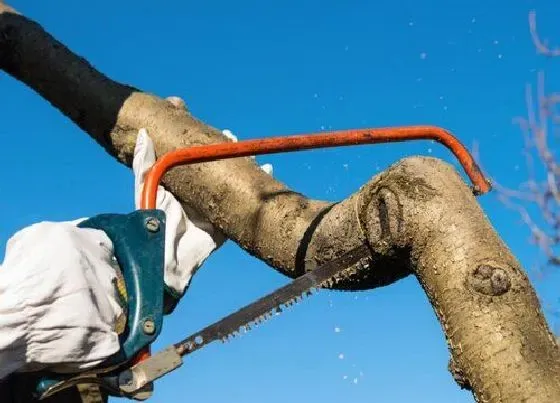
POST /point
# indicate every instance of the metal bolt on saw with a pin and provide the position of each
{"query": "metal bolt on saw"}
(138, 239)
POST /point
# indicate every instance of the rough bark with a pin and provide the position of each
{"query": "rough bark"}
(418, 217)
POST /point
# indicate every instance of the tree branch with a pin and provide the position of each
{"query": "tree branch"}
(542, 46)
(418, 217)
(543, 194)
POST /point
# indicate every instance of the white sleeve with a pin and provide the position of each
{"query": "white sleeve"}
(58, 301)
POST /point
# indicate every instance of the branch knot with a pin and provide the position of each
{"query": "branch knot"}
(490, 280)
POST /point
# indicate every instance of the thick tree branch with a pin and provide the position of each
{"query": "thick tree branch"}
(418, 217)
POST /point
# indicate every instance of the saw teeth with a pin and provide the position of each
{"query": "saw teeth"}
(193, 343)
(280, 308)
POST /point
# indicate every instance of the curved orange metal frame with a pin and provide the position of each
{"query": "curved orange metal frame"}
(271, 145)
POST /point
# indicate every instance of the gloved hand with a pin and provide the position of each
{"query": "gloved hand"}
(59, 305)
(189, 238)
(58, 300)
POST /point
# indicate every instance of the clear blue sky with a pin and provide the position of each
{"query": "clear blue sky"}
(264, 68)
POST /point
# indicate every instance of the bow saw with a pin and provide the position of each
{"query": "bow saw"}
(138, 240)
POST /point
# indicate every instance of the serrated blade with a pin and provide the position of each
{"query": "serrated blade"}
(163, 362)
(269, 305)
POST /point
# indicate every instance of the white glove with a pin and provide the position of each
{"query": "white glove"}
(189, 239)
(187, 243)
(58, 302)
(59, 305)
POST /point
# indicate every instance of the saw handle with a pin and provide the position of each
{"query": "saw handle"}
(272, 145)
(138, 242)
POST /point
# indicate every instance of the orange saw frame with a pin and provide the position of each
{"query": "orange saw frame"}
(272, 145)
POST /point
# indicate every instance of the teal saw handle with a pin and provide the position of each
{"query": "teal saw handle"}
(138, 240)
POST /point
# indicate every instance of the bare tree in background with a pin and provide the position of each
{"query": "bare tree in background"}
(538, 199)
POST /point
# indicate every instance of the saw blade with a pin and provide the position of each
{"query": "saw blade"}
(325, 275)
(132, 381)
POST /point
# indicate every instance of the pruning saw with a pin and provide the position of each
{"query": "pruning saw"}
(138, 239)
